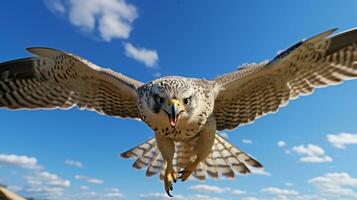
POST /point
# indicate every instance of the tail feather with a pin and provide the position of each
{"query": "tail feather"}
(241, 156)
(145, 159)
(224, 159)
(156, 164)
(227, 170)
(140, 150)
(211, 167)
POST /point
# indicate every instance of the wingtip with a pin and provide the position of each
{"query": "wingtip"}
(125, 155)
(44, 51)
(322, 35)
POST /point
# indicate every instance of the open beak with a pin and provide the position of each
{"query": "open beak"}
(174, 109)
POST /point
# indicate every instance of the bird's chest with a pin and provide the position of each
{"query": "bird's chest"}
(178, 133)
(183, 130)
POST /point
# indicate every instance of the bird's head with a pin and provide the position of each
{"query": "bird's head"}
(175, 99)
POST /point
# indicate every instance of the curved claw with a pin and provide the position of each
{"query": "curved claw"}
(185, 174)
(170, 175)
(187, 171)
(168, 193)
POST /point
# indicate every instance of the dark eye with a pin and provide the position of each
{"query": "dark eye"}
(160, 99)
(186, 101)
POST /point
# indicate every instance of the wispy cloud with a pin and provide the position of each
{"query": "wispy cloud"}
(84, 187)
(289, 184)
(38, 183)
(146, 56)
(88, 179)
(157, 74)
(335, 185)
(56, 6)
(216, 189)
(281, 143)
(342, 139)
(279, 191)
(208, 188)
(111, 18)
(259, 171)
(312, 154)
(114, 193)
(19, 161)
(250, 198)
(162, 196)
(238, 192)
(246, 141)
(47, 178)
(45, 185)
(74, 163)
(281, 194)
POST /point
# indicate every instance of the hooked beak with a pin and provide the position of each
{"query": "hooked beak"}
(174, 109)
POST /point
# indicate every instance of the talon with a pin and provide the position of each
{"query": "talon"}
(170, 176)
(174, 176)
(168, 193)
(184, 174)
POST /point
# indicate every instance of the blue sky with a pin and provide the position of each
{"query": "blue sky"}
(308, 148)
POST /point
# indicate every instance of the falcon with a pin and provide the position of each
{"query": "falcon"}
(184, 113)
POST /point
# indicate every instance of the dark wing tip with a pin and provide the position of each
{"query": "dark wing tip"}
(44, 51)
(126, 154)
(341, 40)
(256, 164)
(286, 52)
(20, 68)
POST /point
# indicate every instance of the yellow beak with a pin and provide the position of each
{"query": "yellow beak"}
(174, 109)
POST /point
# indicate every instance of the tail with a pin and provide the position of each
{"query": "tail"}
(224, 159)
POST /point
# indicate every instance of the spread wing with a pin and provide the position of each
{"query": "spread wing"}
(55, 79)
(259, 89)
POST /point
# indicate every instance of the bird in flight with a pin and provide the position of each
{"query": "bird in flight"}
(184, 113)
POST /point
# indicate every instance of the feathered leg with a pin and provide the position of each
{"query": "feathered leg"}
(167, 149)
(202, 148)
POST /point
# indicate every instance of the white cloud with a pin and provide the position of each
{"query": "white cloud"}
(278, 191)
(281, 143)
(56, 6)
(84, 187)
(335, 185)
(157, 74)
(238, 192)
(208, 188)
(45, 184)
(47, 178)
(74, 163)
(114, 192)
(19, 161)
(146, 56)
(215, 189)
(259, 171)
(158, 196)
(312, 154)
(246, 141)
(341, 140)
(162, 196)
(88, 179)
(250, 198)
(289, 184)
(38, 183)
(287, 151)
(111, 18)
